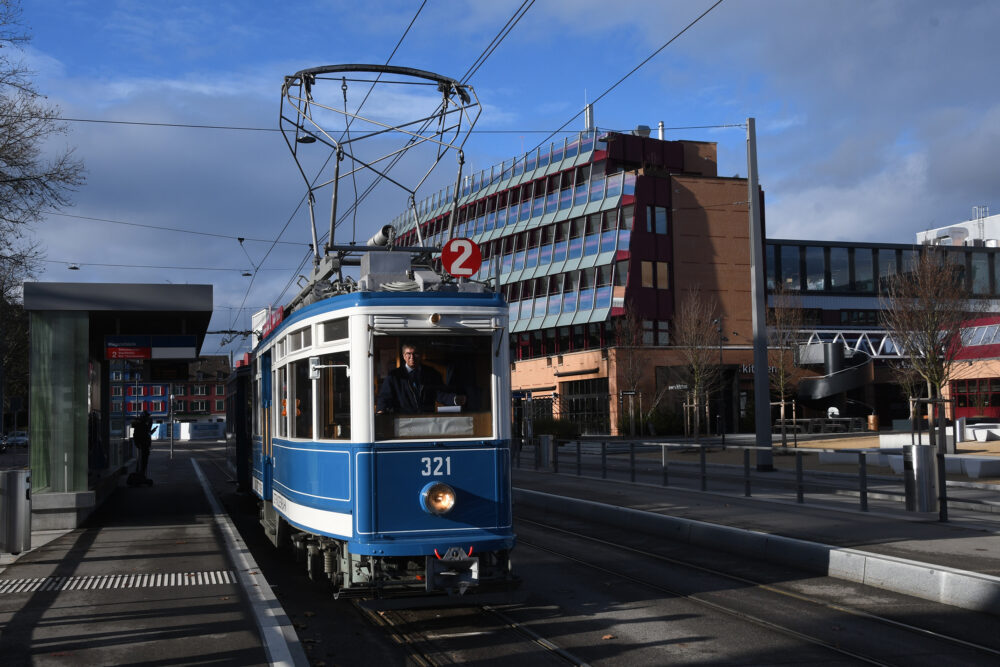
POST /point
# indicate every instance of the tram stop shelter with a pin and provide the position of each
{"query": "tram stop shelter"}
(78, 331)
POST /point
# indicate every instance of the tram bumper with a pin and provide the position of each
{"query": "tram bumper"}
(453, 572)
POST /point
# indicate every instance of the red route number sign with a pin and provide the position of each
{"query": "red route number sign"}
(461, 257)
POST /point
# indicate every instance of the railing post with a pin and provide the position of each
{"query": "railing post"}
(579, 460)
(604, 460)
(863, 480)
(704, 469)
(631, 461)
(942, 485)
(663, 462)
(746, 473)
(799, 491)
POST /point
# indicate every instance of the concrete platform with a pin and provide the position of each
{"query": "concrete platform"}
(156, 575)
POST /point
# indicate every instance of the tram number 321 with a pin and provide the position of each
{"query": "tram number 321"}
(436, 466)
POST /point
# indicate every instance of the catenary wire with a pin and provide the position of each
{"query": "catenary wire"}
(169, 229)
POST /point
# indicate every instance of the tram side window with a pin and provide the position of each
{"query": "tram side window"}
(451, 367)
(281, 401)
(301, 403)
(334, 397)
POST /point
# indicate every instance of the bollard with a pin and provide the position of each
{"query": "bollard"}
(863, 480)
(631, 461)
(799, 490)
(604, 460)
(704, 469)
(746, 473)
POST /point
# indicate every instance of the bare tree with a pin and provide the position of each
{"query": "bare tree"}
(784, 323)
(923, 312)
(14, 270)
(628, 341)
(694, 336)
(30, 182)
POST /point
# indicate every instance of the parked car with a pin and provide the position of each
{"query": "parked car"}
(17, 439)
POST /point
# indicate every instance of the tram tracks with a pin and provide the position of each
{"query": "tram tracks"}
(795, 624)
(436, 637)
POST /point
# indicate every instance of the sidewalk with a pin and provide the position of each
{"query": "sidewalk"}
(150, 578)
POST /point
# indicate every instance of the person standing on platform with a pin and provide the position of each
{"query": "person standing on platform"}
(142, 431)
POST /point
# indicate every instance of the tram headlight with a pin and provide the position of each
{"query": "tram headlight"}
(437, 498)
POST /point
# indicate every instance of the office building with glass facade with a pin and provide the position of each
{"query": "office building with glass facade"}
(586, 232)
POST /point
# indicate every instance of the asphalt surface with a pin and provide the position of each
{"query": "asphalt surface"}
(90, 596)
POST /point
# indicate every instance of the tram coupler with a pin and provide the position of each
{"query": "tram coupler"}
(454, 571)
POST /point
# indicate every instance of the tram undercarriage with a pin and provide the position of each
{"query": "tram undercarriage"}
(326, 559)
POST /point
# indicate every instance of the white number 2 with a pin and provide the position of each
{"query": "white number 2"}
(435, 466)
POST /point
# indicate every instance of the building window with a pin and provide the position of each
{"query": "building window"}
(864, 270)
(220, 405)
(815, 268)
(156, 390)
(116, 376)
(116, 407)
(663, 275)
(116, 390)
(621, 273)
(199, 406)
(656, 219)
(220, 390)
(156, 406)
(178, 406)
(647, 274)
(840, 273)
(179, 390)
(199, 390)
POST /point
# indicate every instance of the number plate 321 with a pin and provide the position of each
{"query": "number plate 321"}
(435, 466)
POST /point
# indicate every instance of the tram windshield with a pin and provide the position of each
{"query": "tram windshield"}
(433, 386)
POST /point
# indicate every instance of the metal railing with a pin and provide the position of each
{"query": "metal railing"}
(690, 465)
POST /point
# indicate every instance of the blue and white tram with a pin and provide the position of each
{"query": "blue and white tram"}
(378, 503)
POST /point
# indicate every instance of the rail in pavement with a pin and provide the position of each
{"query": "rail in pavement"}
(953, 563)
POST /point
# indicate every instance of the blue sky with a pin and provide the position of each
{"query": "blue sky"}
(876, 118)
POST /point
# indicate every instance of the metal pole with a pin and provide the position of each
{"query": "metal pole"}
(863, 480)
(704, 470)
(758, 294)
(663, 462)
(746, 473)
(631, 461)
(799, 490)
(171, 426)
